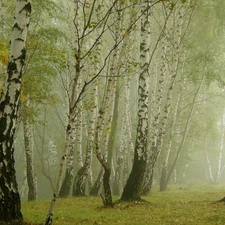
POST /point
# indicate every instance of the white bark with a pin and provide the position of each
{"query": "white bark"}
(9, 104)
(31, 177)
(208, 167)
(221, 150)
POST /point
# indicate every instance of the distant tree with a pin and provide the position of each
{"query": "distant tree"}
(202, 67)
(10, 207)
(29, 146)
(182, 15)
(126, 147)
(80, 179)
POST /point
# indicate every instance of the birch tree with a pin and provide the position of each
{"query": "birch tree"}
(133, 186)
(220, 166)
(169, 146)
(10, 207)
(214, 174)
(29, 149)
(185, 132)
(159, 88)
(125, 149)
(83, 172)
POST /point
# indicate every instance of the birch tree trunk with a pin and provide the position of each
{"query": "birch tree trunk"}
(30, 175)
(221, 149)
(219, 166)
(133, 186)
(10, 207)
(69, 146)
(124, 138)
(157, 97)
(70, 138)
(107, 100)
(67, 179)
(126, 148)
(113, 128)
(208, 167)
(82, 174)
(185, 132)
(163, 178)
(97, 184)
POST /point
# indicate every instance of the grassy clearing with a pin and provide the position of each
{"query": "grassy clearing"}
(178, 205)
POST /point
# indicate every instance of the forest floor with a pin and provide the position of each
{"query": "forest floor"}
(190, 205)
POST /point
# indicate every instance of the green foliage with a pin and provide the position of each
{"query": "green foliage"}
(44, 59)
(48, 8)
(179, 205)
(40, 72)
(205, 44)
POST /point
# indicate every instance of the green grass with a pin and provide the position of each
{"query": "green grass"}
(178, 205)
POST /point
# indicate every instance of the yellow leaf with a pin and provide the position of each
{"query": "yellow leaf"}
(4, 53)
(23, 98)
(126, 33)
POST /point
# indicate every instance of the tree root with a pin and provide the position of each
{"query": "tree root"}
(221, 200)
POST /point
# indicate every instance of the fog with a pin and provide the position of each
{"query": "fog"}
(104, 84)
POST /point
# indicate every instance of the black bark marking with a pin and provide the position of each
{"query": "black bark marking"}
(68, 128)
(16, 26)
(19, 39)
(26, 8)
(12, 67)
(23, 55)
(3, 122)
